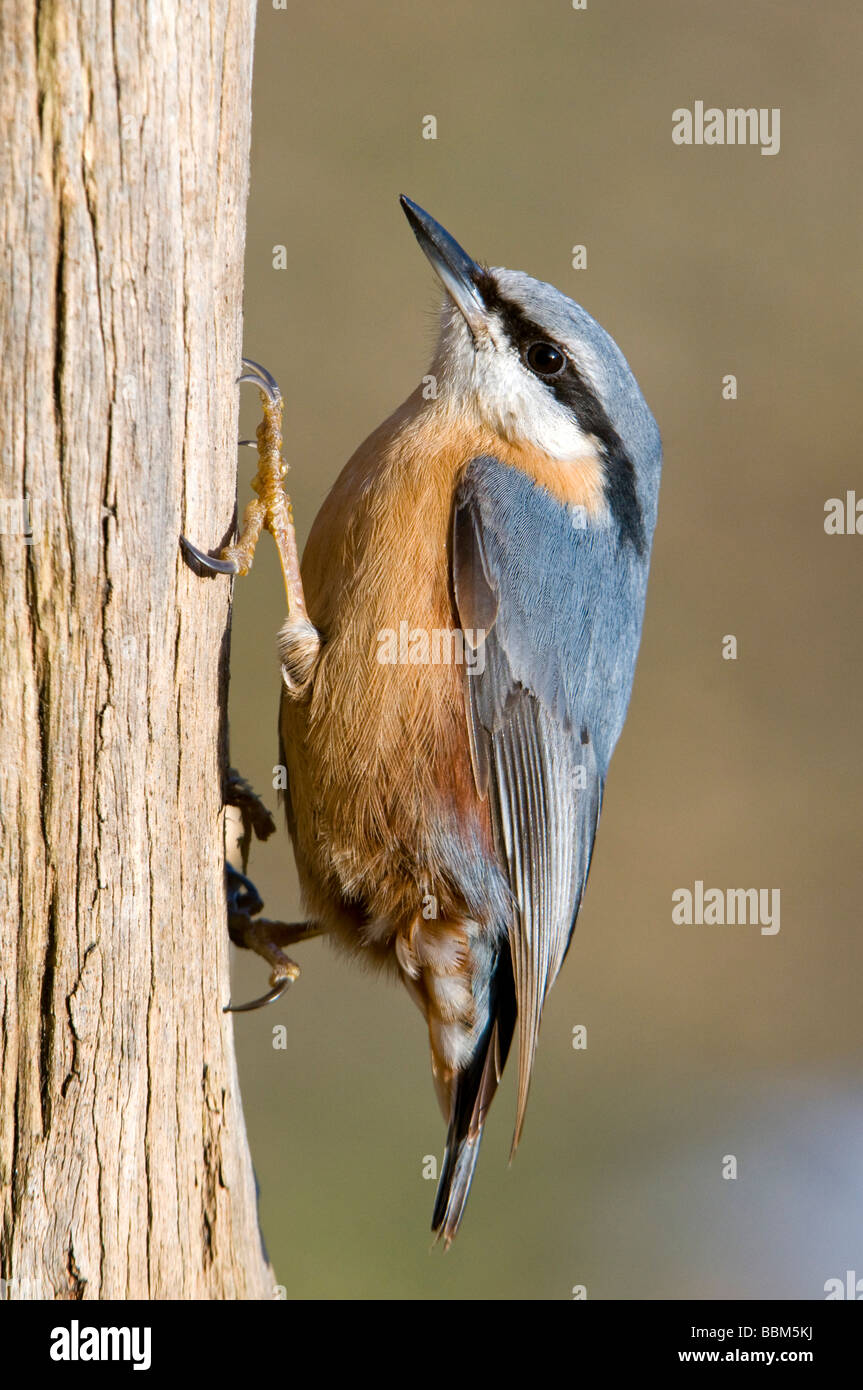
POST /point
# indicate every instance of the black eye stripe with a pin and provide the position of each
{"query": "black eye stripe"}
(578, 396)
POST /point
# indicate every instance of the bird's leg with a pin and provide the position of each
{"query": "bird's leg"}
(270, 510)
(299, 644)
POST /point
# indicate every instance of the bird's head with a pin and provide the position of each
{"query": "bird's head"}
(523, 360)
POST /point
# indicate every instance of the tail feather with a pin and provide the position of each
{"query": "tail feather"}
(473, 1092)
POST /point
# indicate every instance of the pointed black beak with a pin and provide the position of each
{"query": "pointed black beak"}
(460, 276)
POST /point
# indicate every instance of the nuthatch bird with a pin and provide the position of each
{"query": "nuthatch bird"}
(457, 662)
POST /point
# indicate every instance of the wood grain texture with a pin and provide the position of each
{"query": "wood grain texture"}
(124, 1165)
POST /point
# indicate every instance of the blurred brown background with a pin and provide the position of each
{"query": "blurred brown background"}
(554, 128)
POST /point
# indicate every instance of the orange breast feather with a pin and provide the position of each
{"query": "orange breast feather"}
(379, 752)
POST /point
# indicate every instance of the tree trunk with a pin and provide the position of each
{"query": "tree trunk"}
(124, 1165)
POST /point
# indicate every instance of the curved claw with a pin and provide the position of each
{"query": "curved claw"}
(208, 562)
(269, 998)
(262, 379)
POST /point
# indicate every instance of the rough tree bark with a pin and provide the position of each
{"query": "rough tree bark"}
(124, 1166)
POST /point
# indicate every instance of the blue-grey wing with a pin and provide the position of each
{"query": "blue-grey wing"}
(560, 605)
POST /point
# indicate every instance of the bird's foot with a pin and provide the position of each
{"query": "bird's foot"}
(244, 900)
(264, 937)
(270, 510)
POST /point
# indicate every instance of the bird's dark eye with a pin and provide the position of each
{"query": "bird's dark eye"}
(545, 358)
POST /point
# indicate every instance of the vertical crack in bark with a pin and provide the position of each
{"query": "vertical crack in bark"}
(97, 265)
(213, 1119)
(40, 91)
(42, 681)
(77, 1283)
(59, 328)
(48, 1023)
